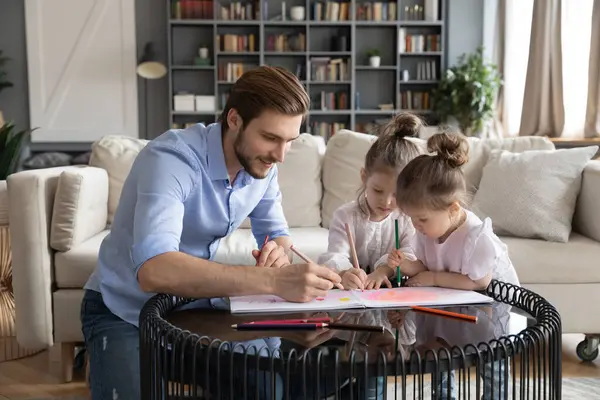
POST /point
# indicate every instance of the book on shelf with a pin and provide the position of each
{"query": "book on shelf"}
(232, 71)
(415, 100)
(192, 9)
(418, 43)
(325, 129)
(376, 11)
(238, 11)
(234, 43)
(331, 11)
(427, 71)
(286, 42)
(332, 101)
(326, 69)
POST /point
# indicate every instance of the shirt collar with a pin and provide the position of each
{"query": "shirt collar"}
(217, 169)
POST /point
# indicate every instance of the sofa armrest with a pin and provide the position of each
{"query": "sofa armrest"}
(30, 205)
(587, 212)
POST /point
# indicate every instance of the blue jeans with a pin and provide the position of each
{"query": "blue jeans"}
(113, 349)
(491, 378)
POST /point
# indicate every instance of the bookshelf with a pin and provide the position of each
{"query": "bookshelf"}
(325, 43)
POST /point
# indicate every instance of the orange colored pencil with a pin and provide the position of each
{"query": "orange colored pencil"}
(306, 259)
(352, 247)
(465, 317)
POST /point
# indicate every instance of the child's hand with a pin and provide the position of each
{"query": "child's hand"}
(353, 278)
(425, 278)
(395, 258)
(376, 278)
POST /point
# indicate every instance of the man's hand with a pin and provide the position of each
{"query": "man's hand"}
(304, 282)
(377, 278)
(425, 278)
(272, 255)
(353, 278)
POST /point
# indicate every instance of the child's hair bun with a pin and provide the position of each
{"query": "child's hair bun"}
(406, 124)
(453, 148)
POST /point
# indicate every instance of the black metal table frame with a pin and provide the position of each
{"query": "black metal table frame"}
(176, 363)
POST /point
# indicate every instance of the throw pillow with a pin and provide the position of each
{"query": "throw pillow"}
(532, 194)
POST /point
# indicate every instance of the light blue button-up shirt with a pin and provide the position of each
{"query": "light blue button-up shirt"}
(178, 197)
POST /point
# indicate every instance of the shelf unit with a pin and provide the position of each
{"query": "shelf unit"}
(310, 45)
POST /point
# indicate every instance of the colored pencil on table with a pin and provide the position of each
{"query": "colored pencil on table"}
(278, 327)
(398, 278)
(353, 254)
(306, 259)
(309, 327)
(465, 317)
(293, 321)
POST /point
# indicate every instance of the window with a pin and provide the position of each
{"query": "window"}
(576, 35)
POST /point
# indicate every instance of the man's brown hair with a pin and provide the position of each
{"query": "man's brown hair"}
(266, 88)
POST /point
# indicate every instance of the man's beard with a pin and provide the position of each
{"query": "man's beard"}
(246, 160)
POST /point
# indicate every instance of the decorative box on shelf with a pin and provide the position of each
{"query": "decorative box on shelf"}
(184, 102)
(205, 103)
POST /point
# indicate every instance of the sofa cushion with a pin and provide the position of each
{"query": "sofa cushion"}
(480, 149)
(542, 262)
(115, 154)
(73, 268)
(236, 249)
(79, 207)
(532, 194)
(300, 182)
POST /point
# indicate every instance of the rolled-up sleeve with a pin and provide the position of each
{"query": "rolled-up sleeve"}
(267, 218)
(165, 177)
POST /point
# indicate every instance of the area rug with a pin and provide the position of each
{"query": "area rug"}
(572, 389)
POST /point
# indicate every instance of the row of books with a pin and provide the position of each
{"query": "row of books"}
(232, 71)
(325, 69)
(331, 11)
(286, 42)
(238, 11)
(331, 101)
(418, 43)
(325, 129)
(233, 43)
(376, 11)
(415, 100)
(192, 9)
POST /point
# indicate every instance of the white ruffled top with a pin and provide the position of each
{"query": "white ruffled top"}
(473, 250)
(373, 240)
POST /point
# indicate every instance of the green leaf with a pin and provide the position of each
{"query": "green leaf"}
(11, 147)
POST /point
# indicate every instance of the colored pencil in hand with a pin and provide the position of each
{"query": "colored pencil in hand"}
(262, 247)
(306, 259)
(464, 317)
(398, 279)
(353, 254)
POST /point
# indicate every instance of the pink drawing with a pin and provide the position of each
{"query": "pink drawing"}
(402, 295)
(320, 298)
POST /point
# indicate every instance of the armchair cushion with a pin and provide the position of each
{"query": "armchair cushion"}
(80, 207)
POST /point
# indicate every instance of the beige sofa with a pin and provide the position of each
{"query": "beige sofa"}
(59, 216)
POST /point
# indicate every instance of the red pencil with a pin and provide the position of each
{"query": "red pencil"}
(465, 317)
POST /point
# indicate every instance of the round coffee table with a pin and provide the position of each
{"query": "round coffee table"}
(513, 351)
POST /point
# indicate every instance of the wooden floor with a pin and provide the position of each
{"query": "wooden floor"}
(35, 376)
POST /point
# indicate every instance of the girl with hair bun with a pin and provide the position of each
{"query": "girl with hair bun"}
(453, 247)
(371, 216)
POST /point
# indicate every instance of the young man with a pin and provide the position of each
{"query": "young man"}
(186, 190)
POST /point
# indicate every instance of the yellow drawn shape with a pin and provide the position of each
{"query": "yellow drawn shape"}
(345, 299)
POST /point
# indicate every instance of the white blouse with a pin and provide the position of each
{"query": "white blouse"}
(473, 250)
(373, 240)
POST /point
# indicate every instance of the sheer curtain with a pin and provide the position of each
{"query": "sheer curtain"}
(576, 36)
(518, 32)
(576, 21)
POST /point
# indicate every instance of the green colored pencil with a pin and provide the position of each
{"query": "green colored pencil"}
(397, 247)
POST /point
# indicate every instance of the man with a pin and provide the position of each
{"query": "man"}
(186, 190)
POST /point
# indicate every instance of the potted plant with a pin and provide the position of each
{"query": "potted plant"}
(374, 58)
(467, 92)
(4, 83)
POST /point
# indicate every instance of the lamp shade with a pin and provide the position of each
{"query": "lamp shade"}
(148, 67)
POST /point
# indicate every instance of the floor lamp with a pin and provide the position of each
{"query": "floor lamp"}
(149, 68)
